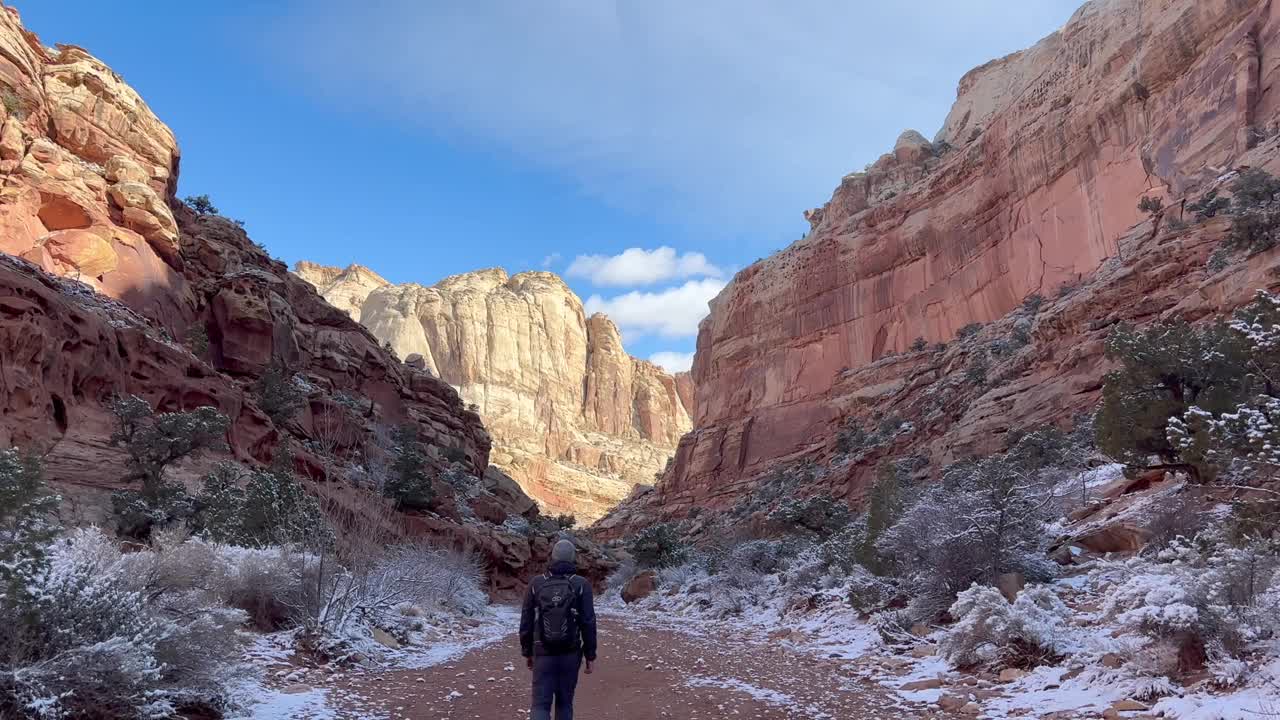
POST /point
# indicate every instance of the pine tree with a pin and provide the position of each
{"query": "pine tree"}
(1164, 371)
(27, 521)
(409, 485)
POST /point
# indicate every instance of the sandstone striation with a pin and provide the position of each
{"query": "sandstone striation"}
(1031, 187)
(575, 420)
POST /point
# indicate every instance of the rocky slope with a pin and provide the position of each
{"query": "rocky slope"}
(102, 269)
(575, 420)
(1030, 188)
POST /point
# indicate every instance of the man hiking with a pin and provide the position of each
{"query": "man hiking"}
(557, 630)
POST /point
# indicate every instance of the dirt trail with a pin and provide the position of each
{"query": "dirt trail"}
(644, 673)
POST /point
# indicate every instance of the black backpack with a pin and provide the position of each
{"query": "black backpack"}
(557, 602)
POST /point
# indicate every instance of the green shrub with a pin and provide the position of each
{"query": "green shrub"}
(1150, 205)
(566, 521)
(969, 331)
(1165, 370)
(278, 395)
(658, 546)
(1219, 260)
(1255, 222)
(198, 341)
(27, 522)
(919, 345)
(138, 514)
(975, 373)
(1209, 205)
(13, 104)
(408, 484)
(258, 508)
(820, 515)
(1032, 303)
(201, 205)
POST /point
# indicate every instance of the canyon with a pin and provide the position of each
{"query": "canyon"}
(575, 420)
(1029, 190)
(110, 286)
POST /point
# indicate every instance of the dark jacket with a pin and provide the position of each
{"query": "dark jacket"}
(530, 644)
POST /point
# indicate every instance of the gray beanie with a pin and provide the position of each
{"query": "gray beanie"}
(563, 552)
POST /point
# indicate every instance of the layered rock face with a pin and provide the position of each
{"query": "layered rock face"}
(109, 286)
(1031, 186)
(345, 289)
(575, 420)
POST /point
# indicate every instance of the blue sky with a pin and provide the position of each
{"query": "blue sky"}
(428, 138)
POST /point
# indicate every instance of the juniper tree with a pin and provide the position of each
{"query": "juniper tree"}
(408, 483)
(27, 521)
(658, 546)
(278, 396)
(1246, 427)
(200, 205)
(1164, 371)
(1255, 222)
(153, 443)
(259, 507)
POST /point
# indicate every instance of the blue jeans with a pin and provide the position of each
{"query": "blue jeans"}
(555, 677)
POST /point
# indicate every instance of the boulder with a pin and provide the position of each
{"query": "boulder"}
(1009, 675)
(1117, 537)
(926, 684)
(639, 587)
(384, 638)
(1010, 584)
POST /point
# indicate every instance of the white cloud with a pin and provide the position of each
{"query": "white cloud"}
(637, 266)
(672, 362)
(734, 114)
(551, 259)
(670, 313)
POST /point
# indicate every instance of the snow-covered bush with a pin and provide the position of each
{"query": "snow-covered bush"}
(92, 642)
(867, 593)
(680, 576)
(821, 515)
(988, 628)
(986, 518)
(757, 556)
(338, 603)
(266, 583)
(518, 525)
(658, 545)
(1205, 593)
(258, 507)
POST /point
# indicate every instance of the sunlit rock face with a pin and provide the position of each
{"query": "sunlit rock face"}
(1031, 185)
(575, 420)
(109, 285)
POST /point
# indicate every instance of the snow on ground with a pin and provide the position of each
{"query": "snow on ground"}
(285, 684)
(764, 695)
(1111, 662)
